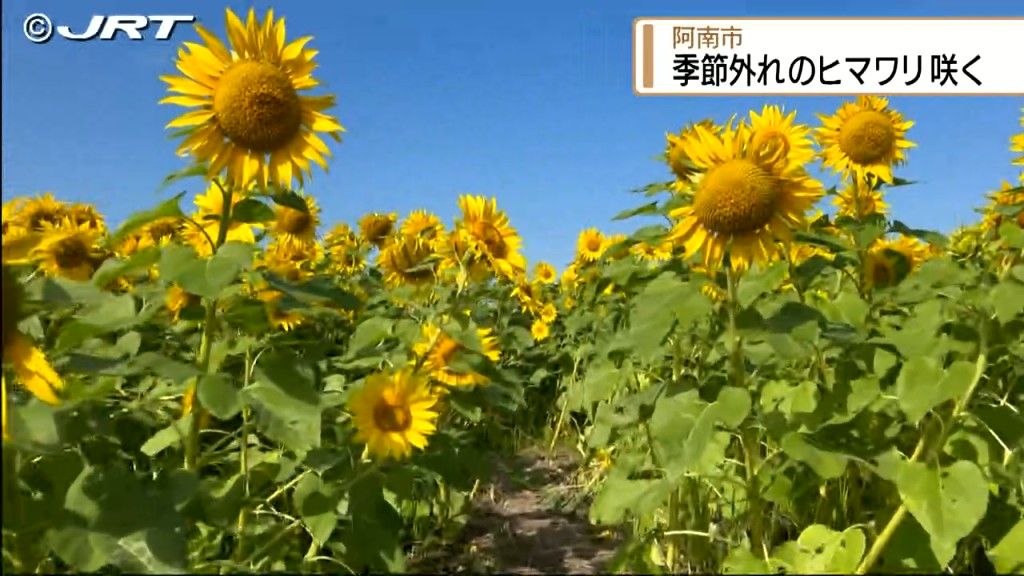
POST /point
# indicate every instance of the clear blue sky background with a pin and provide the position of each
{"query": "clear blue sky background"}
(530, 102)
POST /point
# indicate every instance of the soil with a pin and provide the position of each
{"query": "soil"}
(523, 524)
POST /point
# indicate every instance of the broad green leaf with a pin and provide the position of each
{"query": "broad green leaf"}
(191, 171)
(620, 498)
(114, 268)
(1008, 555)
(285, 401)
(646, 209)
(289, 199)
(650, 324)
(948, 502)
(821, 550)
(826, 464)
(167, 209)
(1007, 299)
(218, 395)
(369, 334)
(251, 210)
(167, 437)
(780, 396)
(923, 384)
(163, 366)
(758, 282)
(316, 503)
(1011, 234)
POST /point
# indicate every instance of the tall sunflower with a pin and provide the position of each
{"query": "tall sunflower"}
(860, 200)
(864, 138)
(437, 350)
(36, 213)
(408, 260)
(590, 245)
(250, 115)
(676, 157)
(745, 201)
(491, 234)
(544, 273)
(376, 228)
(69, 250)
(775, 138)
(393, 413)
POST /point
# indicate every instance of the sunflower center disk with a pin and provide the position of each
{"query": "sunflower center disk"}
(70, 253)
(736, 197)
(295, 221)
(867, 137)
(257, 106)
(391, 417)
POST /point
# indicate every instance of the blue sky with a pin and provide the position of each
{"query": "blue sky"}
(530, 102)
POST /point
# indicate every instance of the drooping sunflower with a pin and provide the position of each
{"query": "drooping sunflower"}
(743, 203)
(864, 138)
(292, 262)
(775, 138)
(210, 206)
(544, 273)
(408, 261)
(590, 245)
(250, 114)
(860, 200)
(438, 350)
(393, 413)
(1007, 197)
(296, 226)
(69, 250)
(491, 235)
(376, 228)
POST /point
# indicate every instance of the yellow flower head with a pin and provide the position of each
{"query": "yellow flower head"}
(590, 245)
(37, 213)
(423, 225)
(864, 138)
(528, 295)
(408, 261)
(250, 115)
(676, 157)
(392, 413)
(746, 201)
(614, 247)
(548, 313)
(540, 330)
(69, 250)
(490, 234)
(1006, 198)
(286, 320)
(652, 252)
(888, 261)
(774, 138)
(346, 255)
(438, 350)
(296, 226)
(33, 370)
(86, 215)
(860, 200)
(177, 299)
(1017, 145)
(544, 273)
(292, 262)
(375, 228)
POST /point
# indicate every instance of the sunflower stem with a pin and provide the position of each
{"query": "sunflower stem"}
(243, 458)
(206, 341)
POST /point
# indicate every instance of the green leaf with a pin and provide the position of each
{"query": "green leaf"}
(619, 496)
(646, 209)
(1007, 299)
(170, 436)
(289, 199)
(948, 503)
(114, 268)
(821, 550)
(191, 171)
(923, 384)
(368, 334)
(825, 464)
(928, 236)
(251, 210)
(1008, 555)
(173, 370)
(780, 396)
(218, 395)
(206, 278)
(758, 282)
(167, 209)
(115, 312)
(286, 403)
(1011, 234)
(317, 504)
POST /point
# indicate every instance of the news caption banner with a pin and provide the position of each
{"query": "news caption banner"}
(827, 56)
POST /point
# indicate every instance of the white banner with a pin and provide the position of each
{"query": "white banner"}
(828, 56)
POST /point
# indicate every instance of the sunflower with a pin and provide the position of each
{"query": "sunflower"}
(86, 214)
(743, 203)
(1006, 198)
(346, 255)
(646, 252)
(375, 228)
(69, 250)
(296, 226)
(548, 313)
(12, 296)
(438, 350)
(1017, 145)
(178, 299)
(392, 413)
(455, 250)
(292, 262)
(774, 138)
(889, 261)
(540, 330)
(528, 295)
(33, 370)
(570, 277)
(421, 224)
(208, 215)
(615, 247)
(675, 155)
(286, 320)
(249, 115)
(37, 213)
(12, 215)
(860, 200)
(408, 261)
(590, 245)
(491, 235)
(864, 138)
(544, 273)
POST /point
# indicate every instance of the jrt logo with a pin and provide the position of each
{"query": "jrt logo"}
(38, 27)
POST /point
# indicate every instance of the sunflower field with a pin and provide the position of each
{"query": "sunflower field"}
(224, 383)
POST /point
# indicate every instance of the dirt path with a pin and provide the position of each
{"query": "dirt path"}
(522, 524)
